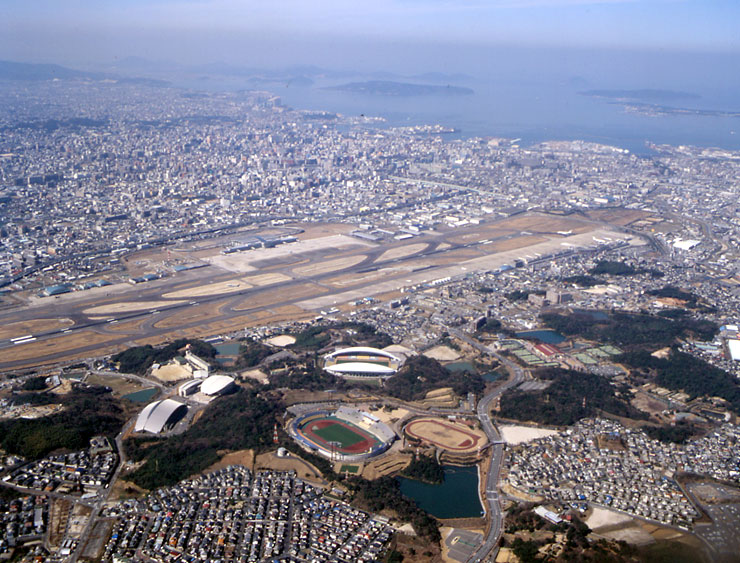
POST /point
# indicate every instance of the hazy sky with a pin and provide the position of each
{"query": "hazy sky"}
(373, 31)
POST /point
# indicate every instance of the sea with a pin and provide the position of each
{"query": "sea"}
(534, 95)
(531, 114)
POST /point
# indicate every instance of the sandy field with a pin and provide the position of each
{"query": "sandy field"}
(303, 469)
(329, 266)
(521, 434)
(16, 330)
(171, 372)
(240, 457)
(601, 517)
(257, 375)
(441, 353)
(113, 308)
(402, 251)
(220, 288)
(267, 279)
(281, 340)
(631, 534)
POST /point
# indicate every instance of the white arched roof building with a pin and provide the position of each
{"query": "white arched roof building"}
(360, 361)
(159, 414)
(217, 385)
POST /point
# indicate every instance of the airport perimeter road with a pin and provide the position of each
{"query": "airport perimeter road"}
(497, 449)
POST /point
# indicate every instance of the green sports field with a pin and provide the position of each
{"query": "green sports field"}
(338, 433)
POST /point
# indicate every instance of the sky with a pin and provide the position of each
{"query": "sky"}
(365, 32)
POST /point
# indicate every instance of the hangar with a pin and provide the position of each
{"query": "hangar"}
(160, 415)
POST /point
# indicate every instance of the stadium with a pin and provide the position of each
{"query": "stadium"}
(343, 435)
(361, 362)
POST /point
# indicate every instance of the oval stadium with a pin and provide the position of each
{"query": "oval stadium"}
(361, 362)
(346, 434)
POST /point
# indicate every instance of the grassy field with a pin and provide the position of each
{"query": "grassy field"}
(338, 433)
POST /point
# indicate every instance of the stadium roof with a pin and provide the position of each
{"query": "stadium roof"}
(216, 384)
(362, 350)
(360, 367)
(155, 415)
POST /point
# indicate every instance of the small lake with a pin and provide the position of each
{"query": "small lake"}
(461, 366)
(594, 315)
(546, 336)
(228, 348)
(141, 396)
(457, 497)
(492, 376)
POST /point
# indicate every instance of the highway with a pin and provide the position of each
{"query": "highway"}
(493, 509)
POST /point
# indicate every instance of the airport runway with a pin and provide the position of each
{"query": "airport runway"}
(295, 285)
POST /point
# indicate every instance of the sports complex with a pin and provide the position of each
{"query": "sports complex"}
(361, 362)
(343, 435)
(450, 436)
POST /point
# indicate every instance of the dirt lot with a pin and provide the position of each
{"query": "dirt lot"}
(303, 469)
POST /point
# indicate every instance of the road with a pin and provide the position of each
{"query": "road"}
(497, 448)
(103, 494)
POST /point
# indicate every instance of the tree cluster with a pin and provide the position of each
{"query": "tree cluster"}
(420, 374)
(140, 358)
(571, 397)
(629, 329)
(426, 469)
(684, 372)
(385, 494)
(87, 413)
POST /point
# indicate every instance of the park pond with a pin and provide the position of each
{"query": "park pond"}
(456, 497)
(546, 336)
(141, 396)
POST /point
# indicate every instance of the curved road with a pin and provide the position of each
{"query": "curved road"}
(497, 448)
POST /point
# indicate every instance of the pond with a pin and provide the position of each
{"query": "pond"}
(457, 497)
(461, 366)
(142, 395)
(546, 336)
(228, 348)
(594, 315)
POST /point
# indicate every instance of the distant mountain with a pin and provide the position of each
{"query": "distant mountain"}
(27, 71)
(41, 72)
(389, 88)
